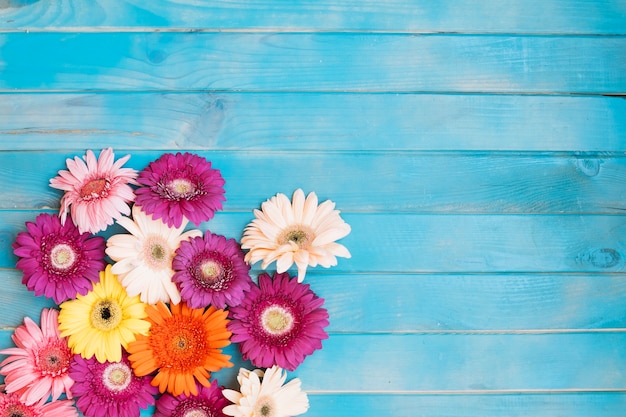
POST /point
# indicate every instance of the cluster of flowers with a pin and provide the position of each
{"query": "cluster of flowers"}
(147, 327)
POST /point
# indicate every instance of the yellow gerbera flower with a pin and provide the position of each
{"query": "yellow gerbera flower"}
(103, 321)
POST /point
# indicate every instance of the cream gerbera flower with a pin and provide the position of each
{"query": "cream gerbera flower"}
(267, 397)
(297, 231)
(103, 321)
(144, 257)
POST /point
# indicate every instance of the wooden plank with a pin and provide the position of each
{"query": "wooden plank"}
(311, 121)
(456, 362)
(490, 16)
(413, 243)
(430, 303)
(443, 182)
(415, 405)
(312, 62)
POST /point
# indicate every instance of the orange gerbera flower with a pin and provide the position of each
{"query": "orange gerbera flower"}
(183, 345)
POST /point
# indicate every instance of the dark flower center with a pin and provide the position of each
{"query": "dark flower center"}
(300, 235)
(265, 407)
(106, 315)
(53, 359)
(95, 188)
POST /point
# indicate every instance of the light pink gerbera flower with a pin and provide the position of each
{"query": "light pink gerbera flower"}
(96, 192)
(39, 366)
(265, 394)
(297, 231)
(57, 260)
(12, 406)
(181, 185)
(143, 257)
(279, 322)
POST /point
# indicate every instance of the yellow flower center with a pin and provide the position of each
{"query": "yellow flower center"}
(299, 234)
(277, 320)
(62, 256)
(117, 376)
(106, 315)
(195, 413)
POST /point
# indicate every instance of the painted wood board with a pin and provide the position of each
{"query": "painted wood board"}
(490, 16)
(312, 62)
(313, 121)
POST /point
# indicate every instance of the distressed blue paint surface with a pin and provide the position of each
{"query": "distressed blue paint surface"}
(477, 149)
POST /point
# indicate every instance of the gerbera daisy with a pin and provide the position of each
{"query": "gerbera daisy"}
(208, 403)
(266, 398)
(143, 258)
(96, 192)
(280, 321)
(297, 231)
(103, 321)
(184, 345)
(12, 406)
(38, 367)
(110, 388)
(58, 261)
(211, 270)
(180, 186)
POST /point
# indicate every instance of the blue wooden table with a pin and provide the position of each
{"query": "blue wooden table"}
(476, 148)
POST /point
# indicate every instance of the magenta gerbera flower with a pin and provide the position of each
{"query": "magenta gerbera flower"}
(12, 406)
(180, 185)
(57, 260)
(110, 388)
(279, 322)
(38, 367)
(96, 192)
(211, 270)
(208, 403)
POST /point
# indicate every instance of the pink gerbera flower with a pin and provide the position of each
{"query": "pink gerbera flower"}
(208, 403)
(110, 388)
(180, 185)
(38, 367)
(96, 192)
(279, 322)
(57, 260)
(12, 406)
(211, 270)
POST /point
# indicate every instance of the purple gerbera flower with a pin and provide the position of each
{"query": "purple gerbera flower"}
(208, 403)
(110, 388)
(181, 185)
(57, 260)
(211, 270)
(279, 322)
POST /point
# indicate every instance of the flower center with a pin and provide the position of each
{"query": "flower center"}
(95, 188)
(53, 359)
(106, 315)
(196, 413)
(18, 410)
(181, 189)
(265, 407)
(276, 320)
(298, 234)
(157, 253)
(62, 256)
(211, 270)
(117, 376)
(179, 344)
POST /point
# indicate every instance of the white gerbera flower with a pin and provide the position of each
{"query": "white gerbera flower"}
(297, 231)
(266, 398)
(143, 258)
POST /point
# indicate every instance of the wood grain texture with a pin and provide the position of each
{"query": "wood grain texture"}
(442, 303)
(413, 243)
(312, 62)
(491, 16)
(442, 182)
(311, 121)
